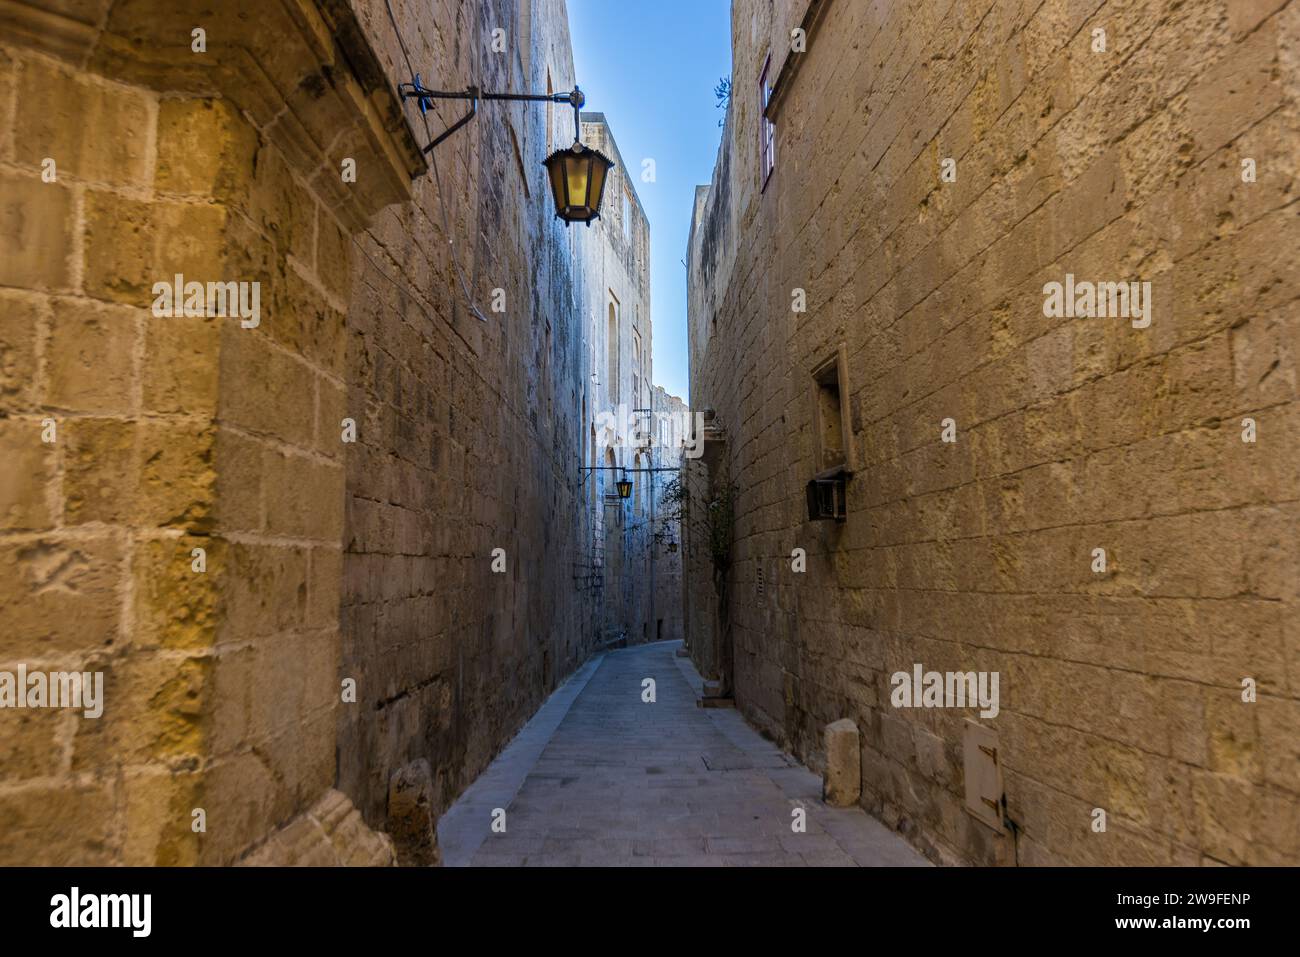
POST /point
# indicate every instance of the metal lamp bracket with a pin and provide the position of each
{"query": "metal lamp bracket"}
(425, 97)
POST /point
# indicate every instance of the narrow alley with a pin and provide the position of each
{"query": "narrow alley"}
(578, 433)
(601, 777)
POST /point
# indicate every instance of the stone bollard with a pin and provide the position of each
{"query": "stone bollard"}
(410, 818)
(843, 782)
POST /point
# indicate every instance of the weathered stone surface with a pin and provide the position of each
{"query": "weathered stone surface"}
(1121, 689)
(36, 226)
(92, 128)
(334, 553)
(90, 357)
(410, 815)
(328, 834)
(131, 244)
(31, 464)
(21, 321)
(60, 594)
(221, 679)
(468, 433)
(842, 782)
(204, 148)
(57, 825)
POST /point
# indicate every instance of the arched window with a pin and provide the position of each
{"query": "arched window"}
(611, 360)
(636, 370)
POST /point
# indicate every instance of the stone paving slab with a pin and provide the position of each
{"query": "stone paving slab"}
(601, 778)
(459, 830)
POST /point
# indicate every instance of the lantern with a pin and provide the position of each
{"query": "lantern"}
(578, 175)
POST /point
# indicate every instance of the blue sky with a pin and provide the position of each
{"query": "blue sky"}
(651, 67)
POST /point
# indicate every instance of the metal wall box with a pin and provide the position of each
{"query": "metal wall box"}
(982, 766)
(828, 497)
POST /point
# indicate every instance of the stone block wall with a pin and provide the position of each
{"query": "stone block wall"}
(468, 430)
(1122, 689)
(175, 518)
(346, 463)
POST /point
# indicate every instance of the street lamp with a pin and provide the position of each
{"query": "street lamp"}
(578, 176)
(624, 486)
(577, 173)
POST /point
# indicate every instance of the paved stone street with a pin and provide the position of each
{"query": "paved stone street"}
(600, 777)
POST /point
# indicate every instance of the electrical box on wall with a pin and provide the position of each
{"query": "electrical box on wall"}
(982, 764)
(828, 497)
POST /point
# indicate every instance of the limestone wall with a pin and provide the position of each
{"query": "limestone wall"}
(346, 463)
(1122, 689)
(469, 430)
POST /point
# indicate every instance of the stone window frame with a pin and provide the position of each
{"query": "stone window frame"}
(832, 368)
(614, 322)
(766, 128)
(637, 378)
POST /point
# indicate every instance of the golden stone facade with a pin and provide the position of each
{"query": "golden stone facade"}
(307, 433)
(273, 533)
(1101, 510)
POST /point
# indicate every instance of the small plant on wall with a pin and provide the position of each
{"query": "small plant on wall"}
(720, 518)
(719, 522)
(674, 497)
(722, 93)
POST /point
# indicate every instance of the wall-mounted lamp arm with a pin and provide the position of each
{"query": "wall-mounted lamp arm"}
(424, 96)
(473, 111)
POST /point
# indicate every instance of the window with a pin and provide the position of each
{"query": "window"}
(766, 128)
(611, 359)
(627, 217)
(832, 431)
(636, 369)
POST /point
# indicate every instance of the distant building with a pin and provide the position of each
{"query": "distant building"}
(670, 430)
(614, 263)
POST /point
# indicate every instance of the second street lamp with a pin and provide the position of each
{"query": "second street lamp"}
(577, 173)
